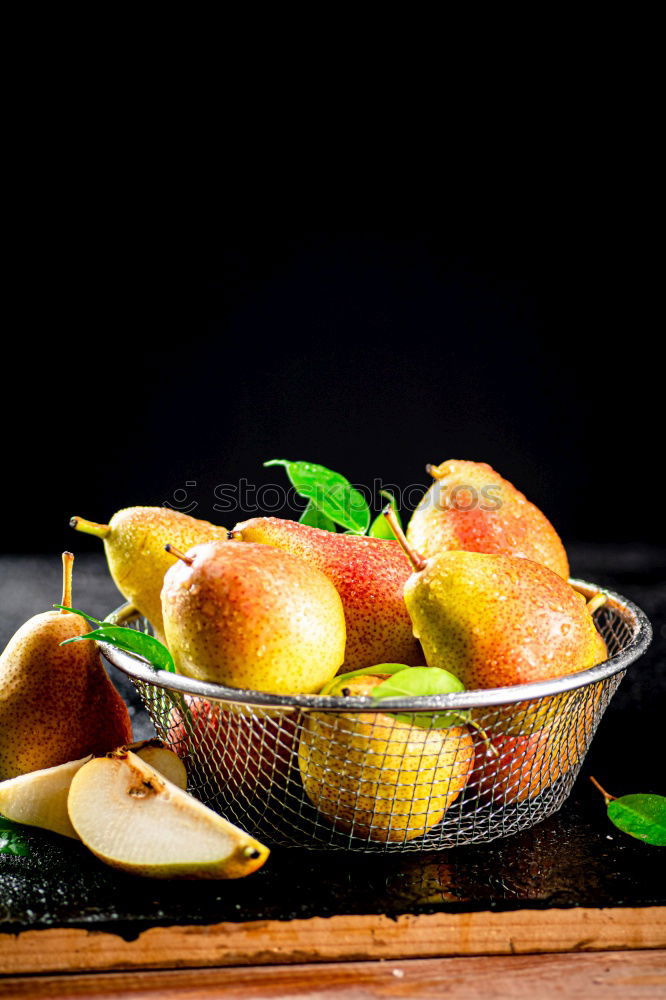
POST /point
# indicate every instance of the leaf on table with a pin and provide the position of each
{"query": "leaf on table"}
(11, 839)
(641, 815)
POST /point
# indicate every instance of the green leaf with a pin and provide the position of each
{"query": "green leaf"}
(422, 682)
(314, 518)
(88, 618)
(331, 493)
(131, 641)
(380, 668)
(641, 816)
(380, 528)
(11, 840)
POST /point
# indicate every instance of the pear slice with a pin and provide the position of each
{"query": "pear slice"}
(40, 797)
(134, 819)
(157, 755)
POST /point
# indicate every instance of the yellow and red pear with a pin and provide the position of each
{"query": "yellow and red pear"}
(471, 507)
(250, 616)
(134, 541)
(496, 620)
(369, 574)
(57, 703)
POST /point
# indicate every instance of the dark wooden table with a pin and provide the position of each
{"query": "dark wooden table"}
(576, 906)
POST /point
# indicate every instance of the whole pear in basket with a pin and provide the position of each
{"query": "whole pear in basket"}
(368, 573)
(134, 541)
(250, 616)
(471, 507)
(495, 621)
(249, 752)
(57, 703)
(379, 777)
(514, 766)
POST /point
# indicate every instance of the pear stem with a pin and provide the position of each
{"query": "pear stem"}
(482, 733)
(433, 470)
(417, 561)
(607, 797)
(178, 554)
(596, 602)
(89, 527)
(67, 564)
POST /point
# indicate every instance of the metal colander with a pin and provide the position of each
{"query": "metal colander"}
(350, 773)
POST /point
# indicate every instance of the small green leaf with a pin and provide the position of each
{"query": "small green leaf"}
(11, 840)
(641, 816)
(331, 493)
(88, 618)
(128, 639)
(422, 682)
(380, 668)
(380, 528)
(314, 518)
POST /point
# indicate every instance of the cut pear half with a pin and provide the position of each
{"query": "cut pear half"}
(133, 818)
(40, 797)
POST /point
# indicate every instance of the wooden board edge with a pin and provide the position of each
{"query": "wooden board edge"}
(334, 939)
(611, 974)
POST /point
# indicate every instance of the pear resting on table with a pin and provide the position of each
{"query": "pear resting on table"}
(57, 703)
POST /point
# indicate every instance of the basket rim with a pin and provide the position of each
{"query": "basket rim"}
(139, 669)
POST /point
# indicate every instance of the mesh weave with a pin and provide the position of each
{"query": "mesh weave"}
(377, 782)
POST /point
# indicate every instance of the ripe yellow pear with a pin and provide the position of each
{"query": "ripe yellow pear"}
(134, 541)
(251, 616)
(471, 507)
(134, 819)
(377, 777)
(57, 703)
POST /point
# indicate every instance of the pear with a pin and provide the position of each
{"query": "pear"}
(163, 759)
(250, 616)
(496, 621)
(57, 703)
(134, 819)
(40, 797)
(471, 507)
(249, 750)
(512, 767)
(377, 777)
(134, 541)
(368, 573)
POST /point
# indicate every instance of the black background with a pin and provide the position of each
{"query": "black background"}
(133, 372)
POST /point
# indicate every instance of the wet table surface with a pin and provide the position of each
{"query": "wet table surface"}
(574, 859)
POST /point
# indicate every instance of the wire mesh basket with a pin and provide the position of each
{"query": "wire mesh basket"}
(350, 773)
